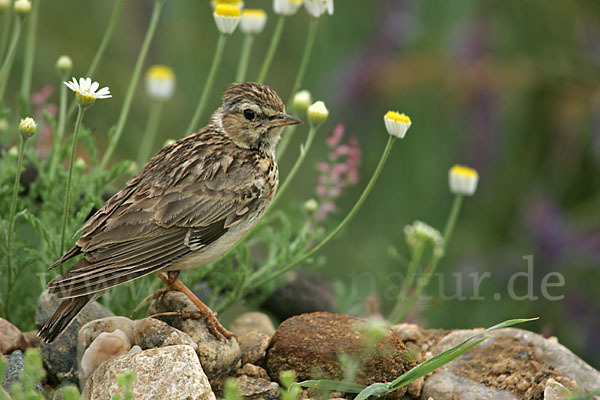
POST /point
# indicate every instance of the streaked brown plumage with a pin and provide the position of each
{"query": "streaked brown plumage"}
(190, 204)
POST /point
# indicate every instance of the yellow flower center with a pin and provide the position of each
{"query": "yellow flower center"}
(227, 10)
(234, 2)
(464, 171)
(254, 13)
(295, 1)
(161, 72)
(397, 117)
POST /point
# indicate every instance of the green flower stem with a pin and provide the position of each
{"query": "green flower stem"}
(424, 282)
(310, 40)
(80, 112)
(150, 134)
(60, 131)
(11, 224)
(258, 282)
(114, 139)
(209, 84)
(240, 76)
(400, 307)
(454, 211)
(100, 51)
(5, 28)
(303, 151)
(29, 55)
(10, 56)
(272, 48)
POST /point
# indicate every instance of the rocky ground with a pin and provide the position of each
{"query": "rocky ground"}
(177, 358)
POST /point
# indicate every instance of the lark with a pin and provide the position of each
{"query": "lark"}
(187, 207)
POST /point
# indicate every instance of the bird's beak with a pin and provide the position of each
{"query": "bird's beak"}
(285, 119)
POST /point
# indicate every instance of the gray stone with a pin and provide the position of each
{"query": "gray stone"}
(443, 385)
(511, 364)
(60, 356)
(254, 347)
(252, 322)
(218, 358)
(252, 388)
(172, 372)
(151, 333)
(13, 370)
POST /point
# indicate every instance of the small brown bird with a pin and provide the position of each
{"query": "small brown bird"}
(188, 206)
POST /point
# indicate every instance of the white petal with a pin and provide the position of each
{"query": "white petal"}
(94, 86)
(70, 86)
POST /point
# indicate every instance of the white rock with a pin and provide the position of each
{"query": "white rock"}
(172, 372)
(106, 346)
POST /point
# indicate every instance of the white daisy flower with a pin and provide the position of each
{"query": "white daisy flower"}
(317, 7)
(227, 18)
(160, 82)
(253, 21)
(286, 7)
(396, 124)
(87, 91)
(463, 180)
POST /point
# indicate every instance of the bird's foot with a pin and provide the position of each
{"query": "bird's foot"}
(204, 312)
(157, 294)
(213, 324)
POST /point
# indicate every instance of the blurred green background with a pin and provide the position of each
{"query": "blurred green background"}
(509, 87)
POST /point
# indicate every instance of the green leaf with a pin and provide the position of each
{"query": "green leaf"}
(324, 384)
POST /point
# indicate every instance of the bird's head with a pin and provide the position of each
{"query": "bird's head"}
(253, 116)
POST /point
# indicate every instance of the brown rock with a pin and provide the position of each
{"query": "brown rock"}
(253, 371)
(310, 344)
(11, 338)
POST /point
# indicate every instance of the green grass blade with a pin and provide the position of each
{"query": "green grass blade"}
(324, 384)
(376, 390)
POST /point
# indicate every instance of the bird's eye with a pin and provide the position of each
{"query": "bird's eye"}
(249, 114)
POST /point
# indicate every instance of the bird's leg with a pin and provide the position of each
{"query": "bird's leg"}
(215, 327)
(172, 277)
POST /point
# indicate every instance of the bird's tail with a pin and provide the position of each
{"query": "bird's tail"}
(62, 317)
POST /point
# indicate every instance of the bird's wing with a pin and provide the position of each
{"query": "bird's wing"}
(143, 230)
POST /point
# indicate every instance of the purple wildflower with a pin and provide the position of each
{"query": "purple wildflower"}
(339, 171)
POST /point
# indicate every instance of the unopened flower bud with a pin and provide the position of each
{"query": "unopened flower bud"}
(317, 113)
(27, 127)
(80, 164)
(22, 7)
(310, 206)
(64, 64)
(4, 4)
(13, 152)
(302, 100)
